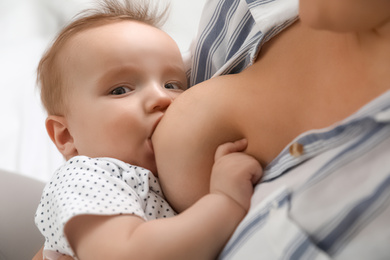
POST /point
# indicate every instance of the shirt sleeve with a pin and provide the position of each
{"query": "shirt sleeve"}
(85, 186)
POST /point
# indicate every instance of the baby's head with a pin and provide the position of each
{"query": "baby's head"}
(52, 74)
(107, 80)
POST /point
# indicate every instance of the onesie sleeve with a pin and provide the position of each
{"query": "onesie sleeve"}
(86, 186)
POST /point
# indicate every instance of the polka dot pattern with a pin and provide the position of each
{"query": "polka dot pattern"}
(99, 186)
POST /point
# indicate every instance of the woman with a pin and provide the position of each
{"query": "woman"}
(316, 74)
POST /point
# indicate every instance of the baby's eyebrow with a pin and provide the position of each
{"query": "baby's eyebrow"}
(121, 70)
(116, 72)
(174, 70)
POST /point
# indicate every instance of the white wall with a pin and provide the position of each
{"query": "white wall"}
(26, 27)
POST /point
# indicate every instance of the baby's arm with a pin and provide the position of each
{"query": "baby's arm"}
(199, 232)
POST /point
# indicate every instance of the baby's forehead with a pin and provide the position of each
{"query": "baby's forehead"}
(132, 27)
(111, 33)
(111, 42)
(105, 42)
(107, 35)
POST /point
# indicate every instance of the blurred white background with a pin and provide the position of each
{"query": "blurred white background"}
(27, 27)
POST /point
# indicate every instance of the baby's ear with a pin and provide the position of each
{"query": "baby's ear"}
(57, 128)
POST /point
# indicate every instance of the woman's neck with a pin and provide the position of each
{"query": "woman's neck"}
(374, 50)
(345, 61)
(332, 74)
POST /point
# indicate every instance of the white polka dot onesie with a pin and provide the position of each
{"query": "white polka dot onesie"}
(99, 186)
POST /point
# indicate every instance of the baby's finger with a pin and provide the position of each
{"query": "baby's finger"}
(231, 147)
(256, 177)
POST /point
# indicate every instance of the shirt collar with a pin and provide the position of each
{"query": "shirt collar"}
(315, 142)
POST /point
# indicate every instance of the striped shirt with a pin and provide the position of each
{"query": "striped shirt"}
(232, 33)
(327, 194)
(332, 201)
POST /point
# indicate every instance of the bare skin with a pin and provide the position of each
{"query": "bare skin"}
(119, 92)
(130, 237)
(316, 85)
(304, 79)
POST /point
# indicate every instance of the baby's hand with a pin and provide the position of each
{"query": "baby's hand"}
(234, 172)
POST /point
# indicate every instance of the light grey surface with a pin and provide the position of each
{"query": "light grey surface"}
(19, 197)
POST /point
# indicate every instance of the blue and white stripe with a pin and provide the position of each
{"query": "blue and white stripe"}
(333, 201)
(230, 37)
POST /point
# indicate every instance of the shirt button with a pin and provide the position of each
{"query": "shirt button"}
(296, 149)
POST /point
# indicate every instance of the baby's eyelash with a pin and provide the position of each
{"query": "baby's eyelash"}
(174, 85)
(120, 90)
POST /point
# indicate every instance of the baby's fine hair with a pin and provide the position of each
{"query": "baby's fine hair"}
(50, 78)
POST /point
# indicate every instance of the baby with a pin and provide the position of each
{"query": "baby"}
(106, 82)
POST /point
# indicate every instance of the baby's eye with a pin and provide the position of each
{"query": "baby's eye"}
(120, 91)
(172, 85)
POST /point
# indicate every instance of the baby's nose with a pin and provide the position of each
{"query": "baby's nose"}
(159, 100)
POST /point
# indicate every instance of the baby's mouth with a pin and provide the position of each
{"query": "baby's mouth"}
(155, 126)
(150, 144)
